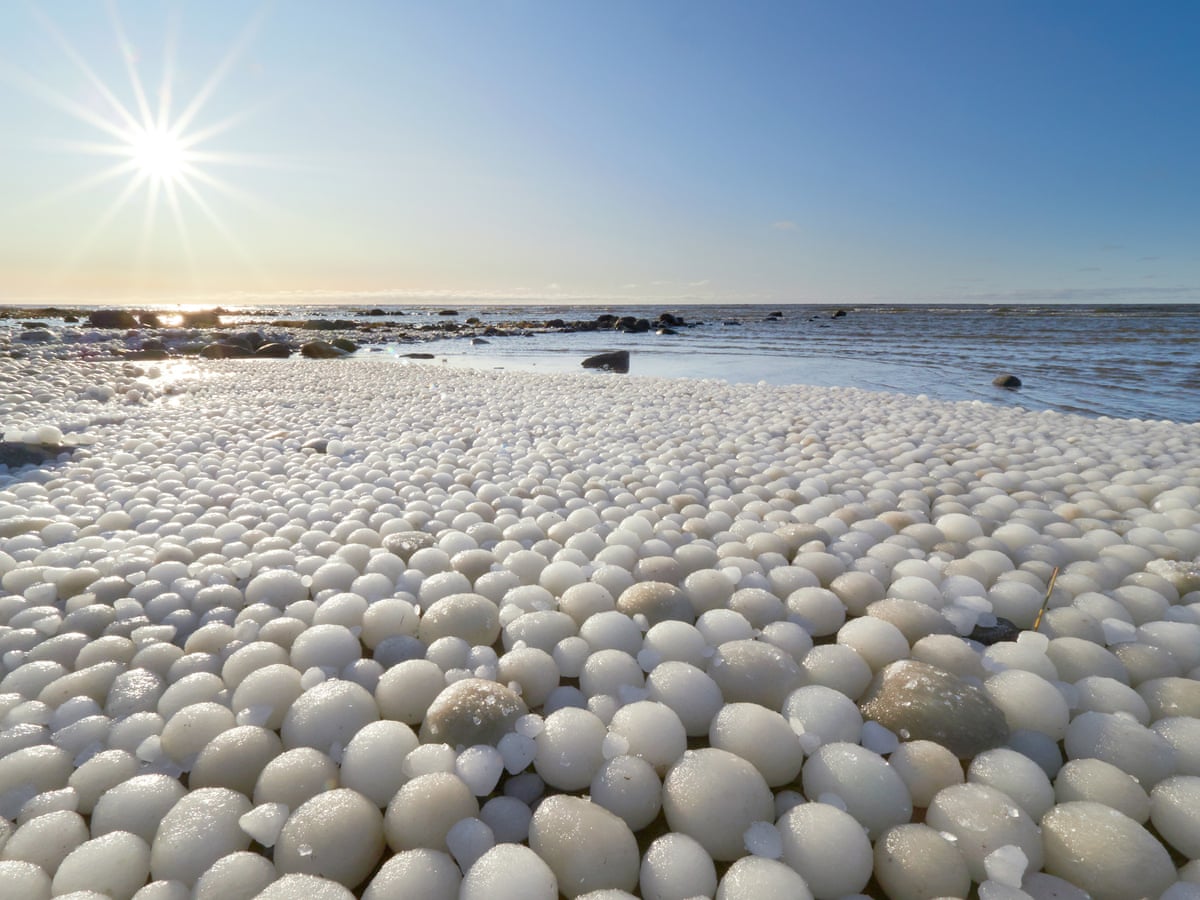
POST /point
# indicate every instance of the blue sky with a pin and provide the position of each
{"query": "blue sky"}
(637, 151)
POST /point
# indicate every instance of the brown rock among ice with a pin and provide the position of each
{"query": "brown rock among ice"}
(472, 711)
(920, 702)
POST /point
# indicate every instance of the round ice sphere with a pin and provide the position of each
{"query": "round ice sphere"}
(657, 601)
(200, 829)
(325, 646)
(310, 887)
(1175, 812)
(189, 730)
(371, 763)
(610, 672)
(652, 731)
(1134, 749)
(425, 809)
(103, 771)
(534, 670)
(628, 787)
(926, 768)
(761, 736)
(1029, 702)
(471, 711)
(822, 715)
(675, 867)
(1101, 782)
(266, 694)
(981, 819)
(509, 872)
(878, 642)
(47, 840)
(714, 796)
(586, 846)
(869, 788)
(915, 862)
(337, 834)
(570, 748)
(294, 776)
(30, 771)
(328, 715)
(612, 630)
(235, 758)
(24, 879)
(471, 617)
(239, 875)
(508, 818)
(428, 874)
(1016, 775)
(1107, 695)
(1183, 734)
(752, 877)
(753, 671)
(1105, 852)
(837, 666)
(137, 805)
(828, 847)
(693, 695)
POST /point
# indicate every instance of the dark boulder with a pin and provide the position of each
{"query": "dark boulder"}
(479, 342)
(1007, 380)
(1003, 630)
(613, 361)
(447, 312)
(321, 350)
(148, 354)
(19, 453)
(839, 314)
(344, 344)
(220, 350)
(112, 318)
(666, 331)
(778, 314)
(319, 325)
(37, 336)
(71, 318)
(474, 320)
(149, 319)
(417, 355)
(273, 350)
(200, 318)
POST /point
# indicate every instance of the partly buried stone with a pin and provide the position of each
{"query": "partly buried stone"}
(273, 350)
(472, 711)
(21, 453)
(920, 702)
(321, 350)
(614, 361)
(345, 344)
(405, 543)
(1001, 630)
(112, 318)
(1007, 380)
(224, 350)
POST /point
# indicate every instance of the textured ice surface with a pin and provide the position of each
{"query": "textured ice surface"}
(263, 607)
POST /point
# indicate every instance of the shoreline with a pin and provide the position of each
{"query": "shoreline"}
(632, 550)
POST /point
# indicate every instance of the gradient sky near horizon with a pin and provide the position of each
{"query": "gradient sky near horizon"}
(681, 150)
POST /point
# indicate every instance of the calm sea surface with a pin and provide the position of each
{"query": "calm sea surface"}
(1124, 361)
(1133, 361)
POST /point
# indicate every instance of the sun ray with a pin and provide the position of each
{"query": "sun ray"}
(231, 56)
(126, 47)
(158, 149)
(80, 63)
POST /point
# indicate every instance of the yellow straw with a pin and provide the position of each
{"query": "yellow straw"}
(1046, 602)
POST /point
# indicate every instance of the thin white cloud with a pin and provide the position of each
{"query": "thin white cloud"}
(785, 225)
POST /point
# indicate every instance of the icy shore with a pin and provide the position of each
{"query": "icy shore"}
(312, 627)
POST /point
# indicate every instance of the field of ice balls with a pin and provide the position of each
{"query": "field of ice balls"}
(324, 629)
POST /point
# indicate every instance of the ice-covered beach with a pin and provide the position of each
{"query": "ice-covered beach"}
(318, 628)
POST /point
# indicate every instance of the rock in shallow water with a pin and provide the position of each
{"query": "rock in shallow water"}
(918, 701)
(472, 711)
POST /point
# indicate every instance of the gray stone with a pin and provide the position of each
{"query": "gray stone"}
(920, 702)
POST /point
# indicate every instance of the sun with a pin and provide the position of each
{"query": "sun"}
(158, 154)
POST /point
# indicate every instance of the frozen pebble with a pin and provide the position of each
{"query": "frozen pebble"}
(338, 835)
(586, 846)
(915, 862)
(507, 872)
(419, 873)
(828, 848)
(676, 867)
(1104, 852)
(714, 796)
